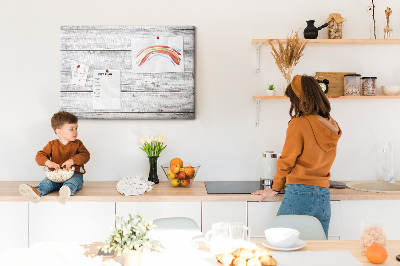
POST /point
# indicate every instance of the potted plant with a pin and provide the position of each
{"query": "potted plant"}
(271, 90)
(129, 238)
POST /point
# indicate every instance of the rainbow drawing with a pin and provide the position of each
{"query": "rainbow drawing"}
(147, 53)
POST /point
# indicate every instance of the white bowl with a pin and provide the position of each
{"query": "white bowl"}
(282, 237)
(391, 90)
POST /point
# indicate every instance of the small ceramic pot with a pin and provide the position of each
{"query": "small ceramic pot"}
(132, 257)
(270, 92)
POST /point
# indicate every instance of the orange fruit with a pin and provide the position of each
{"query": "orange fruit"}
(376, 254)
(176, 161)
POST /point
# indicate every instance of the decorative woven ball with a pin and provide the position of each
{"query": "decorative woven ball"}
(60, 175)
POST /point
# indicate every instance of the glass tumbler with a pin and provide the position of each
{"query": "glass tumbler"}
(373, 231)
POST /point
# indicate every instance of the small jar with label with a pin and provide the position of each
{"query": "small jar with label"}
(368, 86)
(352, 85)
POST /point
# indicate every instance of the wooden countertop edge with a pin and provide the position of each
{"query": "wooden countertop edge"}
(105, 191)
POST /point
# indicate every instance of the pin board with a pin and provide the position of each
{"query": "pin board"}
(127, 72)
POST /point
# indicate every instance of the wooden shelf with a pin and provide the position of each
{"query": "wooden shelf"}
(332, 41)
(331, 97)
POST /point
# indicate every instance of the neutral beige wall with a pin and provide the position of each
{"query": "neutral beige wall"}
(222, 138)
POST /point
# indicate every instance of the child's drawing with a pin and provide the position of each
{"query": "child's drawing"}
(157, 54)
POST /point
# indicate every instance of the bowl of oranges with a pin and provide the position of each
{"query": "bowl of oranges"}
(179, 174)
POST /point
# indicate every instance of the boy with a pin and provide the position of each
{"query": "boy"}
(66, 151)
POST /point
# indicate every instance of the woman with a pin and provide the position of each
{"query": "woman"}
(308, 153)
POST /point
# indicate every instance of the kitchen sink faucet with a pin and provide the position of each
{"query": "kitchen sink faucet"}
(388, 174)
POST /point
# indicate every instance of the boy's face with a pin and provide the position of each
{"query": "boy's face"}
(67, 132)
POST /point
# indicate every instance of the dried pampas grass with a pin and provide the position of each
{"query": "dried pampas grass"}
(287, 57)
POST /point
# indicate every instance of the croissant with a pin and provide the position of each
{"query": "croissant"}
(253, 262)
(258, 252)
(243, 253)
(267, 261)
(226, 258)
(239, 262)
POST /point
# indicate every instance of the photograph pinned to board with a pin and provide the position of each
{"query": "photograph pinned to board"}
(107, 89)
(157, 54)
(79, 74)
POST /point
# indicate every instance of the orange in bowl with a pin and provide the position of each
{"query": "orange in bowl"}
(176, 161)
(376, 253)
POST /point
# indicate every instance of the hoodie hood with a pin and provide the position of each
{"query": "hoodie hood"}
(325, 138)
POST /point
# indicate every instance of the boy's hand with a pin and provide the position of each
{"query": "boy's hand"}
(68, 164)
(52, 165)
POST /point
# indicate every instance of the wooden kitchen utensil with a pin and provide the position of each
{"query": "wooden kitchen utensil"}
(336, 82)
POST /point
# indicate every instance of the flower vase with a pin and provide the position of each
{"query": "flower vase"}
(131, 258)
(153, 177)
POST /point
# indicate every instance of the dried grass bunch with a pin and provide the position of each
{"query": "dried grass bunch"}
(287, 57)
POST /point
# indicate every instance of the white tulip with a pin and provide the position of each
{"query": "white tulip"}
(142, 140)
(151, 138)
(156, 139)
(162, 138)
(148, 140)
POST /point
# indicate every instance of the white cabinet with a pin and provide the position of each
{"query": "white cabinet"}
(154, 210)
(334, 225)
(72, 222)
(260, 216)
(218, 211)
(13, 225)
(354, 211)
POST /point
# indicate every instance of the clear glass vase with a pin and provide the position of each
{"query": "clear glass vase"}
(153, 177)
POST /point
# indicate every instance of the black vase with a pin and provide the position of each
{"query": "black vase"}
(311, 32)
(153, 177)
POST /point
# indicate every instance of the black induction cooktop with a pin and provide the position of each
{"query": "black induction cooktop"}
(233, 187)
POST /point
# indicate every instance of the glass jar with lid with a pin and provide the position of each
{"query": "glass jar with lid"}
(352, 85)
(368, 86)
(270, 158)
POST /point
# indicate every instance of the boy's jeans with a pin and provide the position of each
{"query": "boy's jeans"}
(74, 183)
(308, 200)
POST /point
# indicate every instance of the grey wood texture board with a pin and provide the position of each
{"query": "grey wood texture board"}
(143, 96)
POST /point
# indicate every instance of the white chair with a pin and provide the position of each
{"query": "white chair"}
(310, 227)
(178, 228)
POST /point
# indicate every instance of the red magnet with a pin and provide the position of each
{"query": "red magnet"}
(78, 66)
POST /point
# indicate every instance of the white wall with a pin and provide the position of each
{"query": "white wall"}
(222, 138)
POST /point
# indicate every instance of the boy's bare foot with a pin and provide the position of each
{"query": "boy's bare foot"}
(30, 193)
(65, 192)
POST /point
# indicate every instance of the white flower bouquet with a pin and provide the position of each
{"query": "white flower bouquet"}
(153, 146)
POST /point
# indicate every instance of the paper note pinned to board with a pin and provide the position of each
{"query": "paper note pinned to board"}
(107, 90)
(79, 74)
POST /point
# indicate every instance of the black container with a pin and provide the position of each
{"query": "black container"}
(311, 32)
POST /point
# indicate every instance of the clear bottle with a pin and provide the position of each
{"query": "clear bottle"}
(352, 85)
(270, 158)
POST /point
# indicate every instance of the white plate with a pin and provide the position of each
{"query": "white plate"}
(298, 245)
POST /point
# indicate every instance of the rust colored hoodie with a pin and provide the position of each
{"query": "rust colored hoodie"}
(308, 152)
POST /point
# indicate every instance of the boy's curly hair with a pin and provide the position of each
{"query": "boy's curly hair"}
(62, 118)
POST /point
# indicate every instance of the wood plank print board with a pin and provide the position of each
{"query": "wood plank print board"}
(150, 94)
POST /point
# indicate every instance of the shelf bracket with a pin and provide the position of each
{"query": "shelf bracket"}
(257, 112)
(258, 57)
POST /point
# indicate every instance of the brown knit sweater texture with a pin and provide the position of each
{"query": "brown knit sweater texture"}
(57, 152)
(308, 153)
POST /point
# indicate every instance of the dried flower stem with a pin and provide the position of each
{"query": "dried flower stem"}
(288, 57)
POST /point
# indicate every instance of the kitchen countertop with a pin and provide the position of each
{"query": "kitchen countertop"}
(105, 191)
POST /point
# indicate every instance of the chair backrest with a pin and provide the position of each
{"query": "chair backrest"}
(178, 223)
(310, 227)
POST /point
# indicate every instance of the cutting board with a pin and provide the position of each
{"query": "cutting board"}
(336, 81)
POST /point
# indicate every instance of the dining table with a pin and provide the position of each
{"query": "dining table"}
(86, 254)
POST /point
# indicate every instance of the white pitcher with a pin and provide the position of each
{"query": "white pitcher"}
(218, 239)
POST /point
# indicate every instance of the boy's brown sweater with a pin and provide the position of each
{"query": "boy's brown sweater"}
(57, 152)
(307, 155)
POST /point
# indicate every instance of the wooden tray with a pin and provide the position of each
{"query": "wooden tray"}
(336, 82)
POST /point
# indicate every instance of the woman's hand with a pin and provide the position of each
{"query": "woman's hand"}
(269, 192)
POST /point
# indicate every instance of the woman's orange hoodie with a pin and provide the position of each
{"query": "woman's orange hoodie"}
(307, 155)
